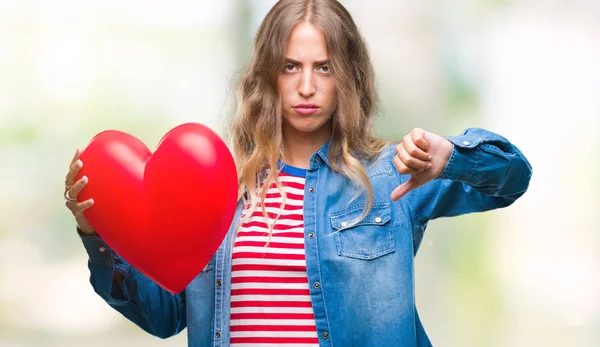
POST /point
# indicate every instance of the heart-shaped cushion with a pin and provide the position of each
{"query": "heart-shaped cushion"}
(165, 213)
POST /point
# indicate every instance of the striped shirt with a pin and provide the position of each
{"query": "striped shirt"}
(270, 300)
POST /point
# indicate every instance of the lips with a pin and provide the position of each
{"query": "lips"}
(306, 109)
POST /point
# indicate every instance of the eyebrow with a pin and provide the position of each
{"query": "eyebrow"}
(322, 62)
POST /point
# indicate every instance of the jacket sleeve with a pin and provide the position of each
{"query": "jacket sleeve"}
(138, 298)
(485, 171)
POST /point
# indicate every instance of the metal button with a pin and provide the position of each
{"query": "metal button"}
(466, 143)
(218, 334)
(311, 235)
(317, 285)
(344, 224)
(378, 220)
(315, 160)
(325, 335)
(311, 189)
(102, 249)
(219, 283)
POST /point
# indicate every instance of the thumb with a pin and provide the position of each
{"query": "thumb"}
(403, 189)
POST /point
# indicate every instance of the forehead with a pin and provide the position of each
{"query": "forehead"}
(307, 43)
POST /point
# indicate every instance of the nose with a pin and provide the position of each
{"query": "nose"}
(307, 86)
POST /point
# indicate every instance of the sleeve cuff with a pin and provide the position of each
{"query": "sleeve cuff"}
(98, 251)
(463, 161)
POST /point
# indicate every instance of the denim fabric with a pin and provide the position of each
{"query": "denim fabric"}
(360, 276)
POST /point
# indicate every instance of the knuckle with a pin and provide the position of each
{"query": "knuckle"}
(77, 186)
(399, 166)
(417, 133)
(403, 169)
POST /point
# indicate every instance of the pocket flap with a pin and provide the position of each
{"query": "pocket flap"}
(380, 214)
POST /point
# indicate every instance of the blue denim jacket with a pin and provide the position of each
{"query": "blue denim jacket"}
(361, 278)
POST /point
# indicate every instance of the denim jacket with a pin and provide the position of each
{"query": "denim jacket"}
(360, 277)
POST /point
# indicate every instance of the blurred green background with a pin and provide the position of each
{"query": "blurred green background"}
(528, 275)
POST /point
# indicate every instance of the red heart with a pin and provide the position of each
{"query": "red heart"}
(165, 213)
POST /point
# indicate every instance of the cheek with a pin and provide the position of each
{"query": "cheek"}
(284, 90)
(330, 93)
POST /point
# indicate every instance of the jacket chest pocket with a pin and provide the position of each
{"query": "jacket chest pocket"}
(368, 239)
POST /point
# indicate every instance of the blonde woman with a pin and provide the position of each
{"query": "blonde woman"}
(321, 249)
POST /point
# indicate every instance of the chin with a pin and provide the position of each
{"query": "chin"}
(308, 126)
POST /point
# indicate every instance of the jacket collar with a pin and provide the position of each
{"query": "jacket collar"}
(323, 152)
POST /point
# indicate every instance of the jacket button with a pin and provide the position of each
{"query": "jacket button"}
(317, 285)
(466, 143)
(311, 189)
(344, 224)
(378, 220)
(219, 283)
(325, 335)
(311, 235)
(218, 334)
(315, 160)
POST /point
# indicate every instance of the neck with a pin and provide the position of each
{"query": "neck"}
(298, 147)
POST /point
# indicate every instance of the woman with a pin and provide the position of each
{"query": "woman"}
(323, 244)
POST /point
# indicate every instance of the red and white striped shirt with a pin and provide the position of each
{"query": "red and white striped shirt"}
(270, 300)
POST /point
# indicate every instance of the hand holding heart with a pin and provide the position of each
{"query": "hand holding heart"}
(166, 212)
(422, 155)
(73, 189)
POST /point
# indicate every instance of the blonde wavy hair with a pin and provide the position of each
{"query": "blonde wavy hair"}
(256, 130)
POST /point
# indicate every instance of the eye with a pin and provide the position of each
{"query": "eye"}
(289, 67)
(324, 68)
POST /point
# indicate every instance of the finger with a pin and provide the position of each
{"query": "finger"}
(76, 156)
(73, 171)
(77, 187)
(410, 161)
(413, 150)
(402, 168)
(418, 137)
(77, 207)
(82, 206)
(402, 189)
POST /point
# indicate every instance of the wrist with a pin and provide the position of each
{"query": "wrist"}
(85, 231)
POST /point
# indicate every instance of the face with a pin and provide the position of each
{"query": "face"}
(306, 86)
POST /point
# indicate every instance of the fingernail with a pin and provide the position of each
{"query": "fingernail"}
(79, 163)
(91, 202)
(429, 165)
(84, 179)
(430, 157)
